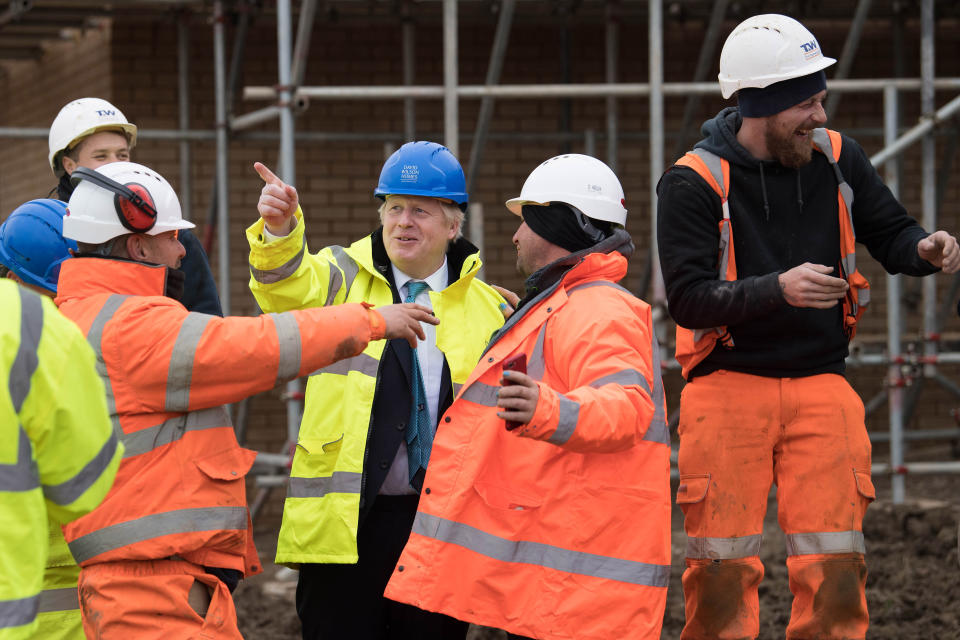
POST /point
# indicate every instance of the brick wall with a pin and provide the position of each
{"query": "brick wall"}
(135, 66)
(31, 94)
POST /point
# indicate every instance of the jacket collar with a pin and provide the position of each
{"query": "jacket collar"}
(606, 260)
(86, 275)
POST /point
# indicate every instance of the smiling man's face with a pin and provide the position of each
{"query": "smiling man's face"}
(416, 232)
(787, 134)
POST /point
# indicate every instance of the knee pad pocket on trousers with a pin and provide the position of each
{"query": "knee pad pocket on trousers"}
(866, 490)
(692, 489)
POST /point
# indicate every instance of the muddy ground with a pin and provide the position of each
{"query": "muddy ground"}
(913, 584)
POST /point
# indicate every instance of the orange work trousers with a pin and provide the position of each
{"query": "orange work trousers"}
(148, 600)
(738, 434)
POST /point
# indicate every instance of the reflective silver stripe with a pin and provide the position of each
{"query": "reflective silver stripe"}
(864, 297)
(14, 613)
(723, 548)
(537, 364)
(541, 555)
(155, 526)
(347, 264)
(658, 431)
(66, 599)
(339, 482)
(362, 363)
(333, 285)
(180, 372)
(25, 362)
(849, 262)
(714, 166)
(456, 388)
(600, 283)
(482, 394)
(566, 421)
(95, 339)
(68, 491)
(624, 377)
(288, 335)
(724, 250)
(23, 474)
(828, 543)
(173, 429)
(270, 276)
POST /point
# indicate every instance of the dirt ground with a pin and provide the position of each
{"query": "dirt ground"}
(913, 582)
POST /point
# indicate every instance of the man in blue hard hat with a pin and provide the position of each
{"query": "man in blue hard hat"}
(32, 245)
(369, 421)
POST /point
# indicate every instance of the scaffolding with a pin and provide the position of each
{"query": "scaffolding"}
(289, 96)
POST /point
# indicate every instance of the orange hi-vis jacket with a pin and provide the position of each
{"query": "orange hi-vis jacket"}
(693, 345)
(560, 528)
(180, 488)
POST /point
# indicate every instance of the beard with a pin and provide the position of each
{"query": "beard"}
(788, 149)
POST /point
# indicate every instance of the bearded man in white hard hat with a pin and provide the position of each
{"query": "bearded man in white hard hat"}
(757, 229)
(91, 132)
(546, 505)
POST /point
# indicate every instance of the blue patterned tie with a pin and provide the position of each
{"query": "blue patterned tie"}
(419, 433)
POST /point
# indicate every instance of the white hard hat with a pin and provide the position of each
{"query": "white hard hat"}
(577, 180)
(82, 118)
(120, 198)
(766, 49)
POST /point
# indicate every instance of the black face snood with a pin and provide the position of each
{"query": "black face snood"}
(558, 224)
(174, 284)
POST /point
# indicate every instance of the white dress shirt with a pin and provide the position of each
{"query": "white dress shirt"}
(397, 481)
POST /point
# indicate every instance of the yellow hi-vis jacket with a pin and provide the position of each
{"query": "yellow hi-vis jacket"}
(321, 510)
(58, 452)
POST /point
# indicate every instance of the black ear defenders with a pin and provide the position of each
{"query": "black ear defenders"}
(595, 235)
(132, 202)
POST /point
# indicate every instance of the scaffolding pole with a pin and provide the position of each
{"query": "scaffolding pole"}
(894, 348)
(183, 110)
(612, 52)
(222, 177)
(451, 113)
(658, 297)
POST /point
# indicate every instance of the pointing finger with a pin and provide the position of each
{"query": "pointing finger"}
(265, 174)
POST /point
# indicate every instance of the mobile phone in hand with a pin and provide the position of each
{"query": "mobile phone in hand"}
(514, 363)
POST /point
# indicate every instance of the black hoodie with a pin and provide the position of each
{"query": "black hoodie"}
(781, 218)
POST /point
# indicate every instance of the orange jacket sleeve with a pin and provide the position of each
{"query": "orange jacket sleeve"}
(173, 360)
(600, 345)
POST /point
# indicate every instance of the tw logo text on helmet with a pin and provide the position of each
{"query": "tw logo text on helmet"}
(106, 112)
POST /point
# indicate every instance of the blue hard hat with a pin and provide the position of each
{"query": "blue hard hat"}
(32, 243)
(423, 169)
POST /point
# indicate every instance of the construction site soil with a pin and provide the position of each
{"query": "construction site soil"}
(913, 581)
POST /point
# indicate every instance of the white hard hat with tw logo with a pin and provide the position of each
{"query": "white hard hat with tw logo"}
(767, 49)
(82, 118)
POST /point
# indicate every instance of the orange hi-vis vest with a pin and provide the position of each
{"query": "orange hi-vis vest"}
(167, 372)
(693, 345)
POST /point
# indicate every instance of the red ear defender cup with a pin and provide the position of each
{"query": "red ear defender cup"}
(133, 203)
(135, 208)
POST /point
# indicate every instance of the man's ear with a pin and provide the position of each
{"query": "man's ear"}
(136, 250)
(69, 164)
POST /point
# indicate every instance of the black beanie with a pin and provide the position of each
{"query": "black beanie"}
(557, 223)
(771, 100)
